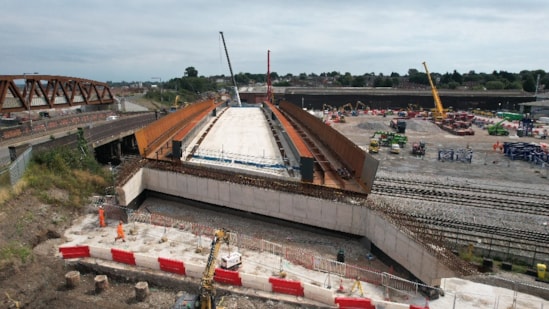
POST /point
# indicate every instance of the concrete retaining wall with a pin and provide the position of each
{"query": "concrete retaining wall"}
(348, 218)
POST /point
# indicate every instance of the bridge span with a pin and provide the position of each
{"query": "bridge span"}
(38, 92)
(171, 168)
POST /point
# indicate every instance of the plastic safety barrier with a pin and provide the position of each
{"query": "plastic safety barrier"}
(171, 266)
(227, 276)
(75, 252)
(287, 286)
(122, 256)
(354, 303)
(418, 307)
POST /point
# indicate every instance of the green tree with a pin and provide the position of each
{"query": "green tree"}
(358, 81)
(191, 72)
(529, 84)
(495, 85)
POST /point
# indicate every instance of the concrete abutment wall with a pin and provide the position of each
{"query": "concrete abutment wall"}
(337, 216)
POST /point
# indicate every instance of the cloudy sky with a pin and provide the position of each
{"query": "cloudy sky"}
(134, 40)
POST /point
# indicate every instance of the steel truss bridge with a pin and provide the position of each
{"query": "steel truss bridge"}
(37, 92)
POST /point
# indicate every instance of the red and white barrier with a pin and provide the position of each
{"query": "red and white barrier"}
(354, 303)
(286, 286)
(75, 252)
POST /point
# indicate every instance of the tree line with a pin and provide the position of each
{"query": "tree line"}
(192, 86)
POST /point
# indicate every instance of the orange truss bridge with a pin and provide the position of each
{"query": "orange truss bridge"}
(35, 92)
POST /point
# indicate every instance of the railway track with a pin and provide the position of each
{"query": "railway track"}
(528, 242)
(493, 199)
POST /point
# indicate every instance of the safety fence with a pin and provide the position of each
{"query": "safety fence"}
(405, 289)
(297, 256)
(233, 278)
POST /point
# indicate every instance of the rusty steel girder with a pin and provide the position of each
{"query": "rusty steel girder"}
(49, 91)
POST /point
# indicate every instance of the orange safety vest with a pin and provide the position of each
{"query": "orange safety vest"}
(120, 231)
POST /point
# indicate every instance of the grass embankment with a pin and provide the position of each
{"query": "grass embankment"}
(63, 179)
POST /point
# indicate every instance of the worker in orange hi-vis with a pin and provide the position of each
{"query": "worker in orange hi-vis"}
(102, 217)
(120, 232)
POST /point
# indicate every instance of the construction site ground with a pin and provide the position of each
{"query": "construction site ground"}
(41, 283)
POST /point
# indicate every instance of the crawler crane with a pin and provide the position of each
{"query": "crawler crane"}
(440, 113)
(205, 299)
(231, 69)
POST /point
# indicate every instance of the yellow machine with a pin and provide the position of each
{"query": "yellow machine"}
(357, 285)
(374, 146)
(205, 299)
(346, 109)
(439, 113)
(175, 105)
(360, 104)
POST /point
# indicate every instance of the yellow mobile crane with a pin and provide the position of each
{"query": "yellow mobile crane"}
(439, 113)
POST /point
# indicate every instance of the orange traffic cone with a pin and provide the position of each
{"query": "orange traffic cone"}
(340, 289)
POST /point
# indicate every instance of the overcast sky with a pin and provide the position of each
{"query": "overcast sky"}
(123, 40)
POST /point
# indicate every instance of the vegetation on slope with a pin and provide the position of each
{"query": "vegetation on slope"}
(56, 185)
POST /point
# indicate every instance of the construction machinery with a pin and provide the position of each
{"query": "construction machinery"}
(175, 105)
(439, 113)
(395, 148)
(327, 108)
(206, 298)
(386, 139)
(497, 129)
(374, 146)
(346, 109)
(455, 123)
(418, 148)
(231, 70)
(360, 104)
(399, 124)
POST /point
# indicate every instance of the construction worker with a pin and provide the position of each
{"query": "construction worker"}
(102, 217)
(120, 232)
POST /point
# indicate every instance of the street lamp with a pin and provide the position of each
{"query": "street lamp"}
(27, 97)
(160, 79)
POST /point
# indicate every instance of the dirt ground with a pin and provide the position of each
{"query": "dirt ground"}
(40, 282)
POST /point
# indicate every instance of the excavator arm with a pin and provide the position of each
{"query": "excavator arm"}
(440, 113)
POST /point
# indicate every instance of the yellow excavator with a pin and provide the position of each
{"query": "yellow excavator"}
(175, 105)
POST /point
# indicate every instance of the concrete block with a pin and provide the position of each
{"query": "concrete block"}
(194, 270)
(146, 261)
(389, 305)
(101, 253)
(255, 282)
(319, 294)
